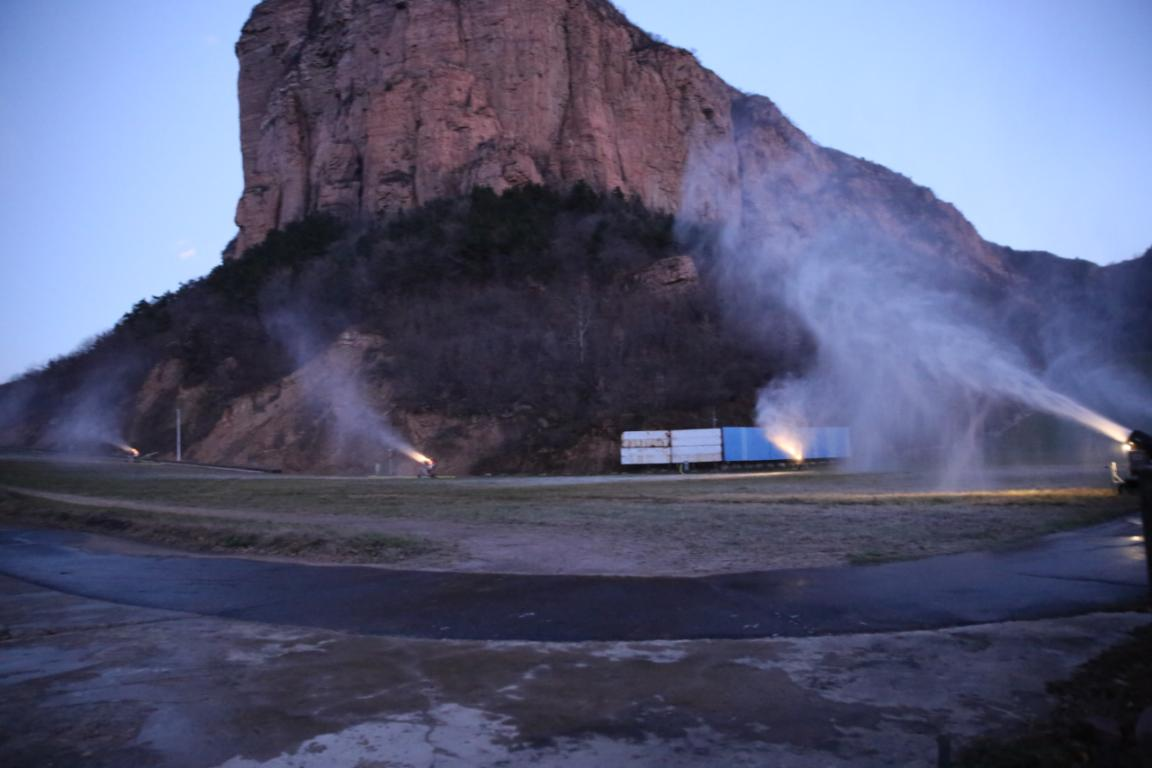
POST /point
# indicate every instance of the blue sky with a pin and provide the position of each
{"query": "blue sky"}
(121, 167)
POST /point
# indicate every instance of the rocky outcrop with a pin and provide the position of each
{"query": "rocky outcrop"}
(361, 107)
(674, 276)
(302, 421)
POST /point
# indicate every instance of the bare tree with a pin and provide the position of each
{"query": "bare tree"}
(582, 310)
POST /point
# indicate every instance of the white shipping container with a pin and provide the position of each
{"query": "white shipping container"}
(694, 454)
(697, 446)
(637, 456)
(697, 437)
(648, 439)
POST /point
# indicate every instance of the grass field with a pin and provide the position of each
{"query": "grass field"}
(619, 524)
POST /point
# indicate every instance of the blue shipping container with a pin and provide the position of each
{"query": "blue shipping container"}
(750, 444)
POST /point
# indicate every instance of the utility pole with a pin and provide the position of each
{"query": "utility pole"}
(178, 442)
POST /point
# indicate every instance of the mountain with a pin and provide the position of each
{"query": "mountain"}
(504, 231)
(359, 108)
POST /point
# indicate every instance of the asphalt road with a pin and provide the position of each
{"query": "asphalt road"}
(1093, 569)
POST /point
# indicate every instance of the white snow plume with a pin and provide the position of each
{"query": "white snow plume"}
(905, 359)
(907, 350)
(89, 419)
(353, 417)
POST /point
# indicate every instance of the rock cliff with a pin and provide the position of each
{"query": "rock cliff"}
(361, 107)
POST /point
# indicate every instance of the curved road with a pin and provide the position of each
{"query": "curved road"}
(1091, 569)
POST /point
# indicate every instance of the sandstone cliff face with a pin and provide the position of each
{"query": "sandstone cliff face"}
(360, 107)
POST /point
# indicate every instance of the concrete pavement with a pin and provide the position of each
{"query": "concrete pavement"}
(89, 683)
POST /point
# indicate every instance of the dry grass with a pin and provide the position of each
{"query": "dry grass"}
(632, 525)
(215, 535)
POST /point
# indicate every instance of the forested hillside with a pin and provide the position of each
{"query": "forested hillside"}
(565, 317)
